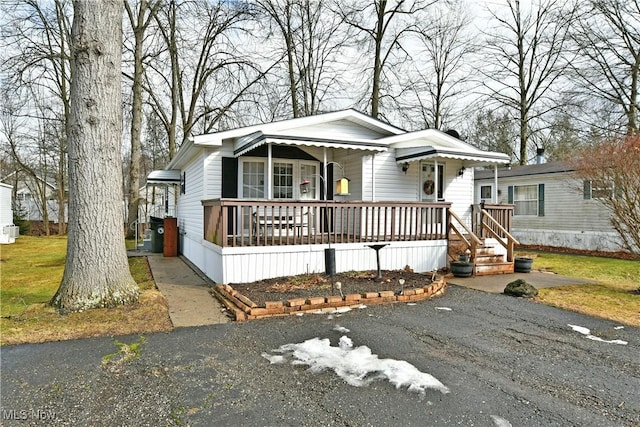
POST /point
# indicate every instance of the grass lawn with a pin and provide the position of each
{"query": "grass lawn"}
(612, 296)
(31, 271)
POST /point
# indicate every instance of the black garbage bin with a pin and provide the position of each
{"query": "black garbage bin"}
(157, 234)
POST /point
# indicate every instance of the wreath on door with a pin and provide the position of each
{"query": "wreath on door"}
(428, 187)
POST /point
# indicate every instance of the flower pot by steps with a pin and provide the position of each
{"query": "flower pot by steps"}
(461, 268)
(522, 264)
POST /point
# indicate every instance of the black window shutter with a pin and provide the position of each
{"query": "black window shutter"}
(540, 199)
(510, 194)
(230, 187)
(229, 177)
(586, 190)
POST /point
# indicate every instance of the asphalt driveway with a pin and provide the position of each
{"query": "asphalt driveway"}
(505, 361)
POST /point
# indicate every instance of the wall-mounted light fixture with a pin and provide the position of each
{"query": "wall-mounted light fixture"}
(461, 171)
(405, 167)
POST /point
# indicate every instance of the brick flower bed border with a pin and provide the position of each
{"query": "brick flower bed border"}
(245, 309)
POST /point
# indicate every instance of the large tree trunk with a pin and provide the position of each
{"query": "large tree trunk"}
(96, 272)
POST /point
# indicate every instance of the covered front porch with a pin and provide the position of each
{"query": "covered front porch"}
(247, 240)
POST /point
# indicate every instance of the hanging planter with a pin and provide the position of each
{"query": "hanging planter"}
(461, 268)
(522, 264)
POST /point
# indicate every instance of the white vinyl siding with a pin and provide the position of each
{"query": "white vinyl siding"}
(190, 208)
(565, 207)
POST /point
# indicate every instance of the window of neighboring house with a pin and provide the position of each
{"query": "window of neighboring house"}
(528, 199)
(598, 190)
(485, 193)
(253, 179)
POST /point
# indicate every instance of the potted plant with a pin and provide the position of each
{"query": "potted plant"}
(462, 268)
(522, 264)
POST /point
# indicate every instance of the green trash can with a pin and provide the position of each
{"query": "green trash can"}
(157, 234)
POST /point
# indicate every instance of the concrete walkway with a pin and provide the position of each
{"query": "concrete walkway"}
(497, 283)
(187, 292)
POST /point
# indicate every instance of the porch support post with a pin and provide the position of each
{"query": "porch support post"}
(495, 183)
(436, 184)
(373, 177)
(269, 171)
(324, 177)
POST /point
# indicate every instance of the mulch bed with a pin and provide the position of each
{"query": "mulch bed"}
(314, 285)
(570, 251)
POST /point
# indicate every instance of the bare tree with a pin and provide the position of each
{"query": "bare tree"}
(96, 271)
(607, 38)
(382, 28)
(441, 72)
(207, 74)
(139, 20)
(28, 150)
(36, 56)
(312, 40)
(493, 131)
(611, 171)
(526, 55)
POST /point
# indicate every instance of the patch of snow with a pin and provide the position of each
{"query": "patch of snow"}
(341, 329)
(500, 422)
(274, 359)
(587, 333)
(362, 306)
(342, 310)
(357, 365)
(411, 303)
(618, 328)
(443, 308)
(299, 314)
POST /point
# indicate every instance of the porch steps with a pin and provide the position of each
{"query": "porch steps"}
(493, 268)
(487, 262)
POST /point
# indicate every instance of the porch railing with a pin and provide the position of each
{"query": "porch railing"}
(495, 221)
(244, 222)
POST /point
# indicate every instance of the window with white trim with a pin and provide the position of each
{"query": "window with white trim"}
(253, 179)
(287, 177)
(282, 180)
(525, 199)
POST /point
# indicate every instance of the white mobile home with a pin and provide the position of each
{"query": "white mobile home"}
(551, 206)
(268, 200)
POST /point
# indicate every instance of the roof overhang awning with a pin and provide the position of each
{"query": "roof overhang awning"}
(474, 157)
(247, 143)
(170, 176)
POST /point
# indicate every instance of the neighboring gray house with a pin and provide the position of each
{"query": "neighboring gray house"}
(552, 206)
(259, 201)
(28, 197)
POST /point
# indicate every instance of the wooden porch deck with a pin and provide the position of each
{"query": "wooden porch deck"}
(243, 222)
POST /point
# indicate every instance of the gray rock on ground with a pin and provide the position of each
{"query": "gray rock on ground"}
(520, 288)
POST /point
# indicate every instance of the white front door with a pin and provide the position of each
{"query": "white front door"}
(431, 185)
